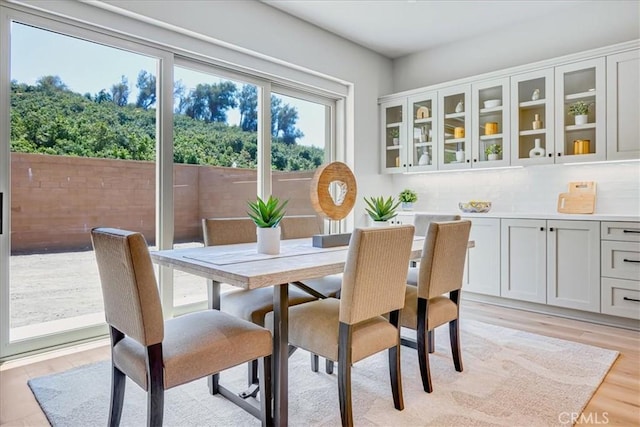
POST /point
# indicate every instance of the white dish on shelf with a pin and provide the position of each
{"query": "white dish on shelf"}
(490, 103)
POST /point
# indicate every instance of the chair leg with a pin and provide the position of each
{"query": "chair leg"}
(394, 365)
(431, 336)
(328, 366)
(252, 376)
(423, 351)
(118, 382)
(454, 337)
(314, 362)
(155, 381)
(266, 396)
(344, 374)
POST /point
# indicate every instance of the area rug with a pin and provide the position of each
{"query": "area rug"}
(510, 378)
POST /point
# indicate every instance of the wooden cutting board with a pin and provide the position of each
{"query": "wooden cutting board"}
(581, 198)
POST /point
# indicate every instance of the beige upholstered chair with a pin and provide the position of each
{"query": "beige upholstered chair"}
(426, 305)
(351, 328)
(300, 226)
(156, 354)
(421, 223)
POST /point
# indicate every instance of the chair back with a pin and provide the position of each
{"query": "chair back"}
(375, 273)
(422, 221)
(300, 226)
(227, 231)
(129, 288)
(443, 257)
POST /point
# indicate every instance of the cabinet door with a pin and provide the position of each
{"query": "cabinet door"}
(581, 82)
(423, 131)
(532, 121)
(393, 136)
(623, 105)
(523, 259)
(490, 135)
(482, 272)
(573, 264)
(454, 127)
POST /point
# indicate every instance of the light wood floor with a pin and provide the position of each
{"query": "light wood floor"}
(615, 403)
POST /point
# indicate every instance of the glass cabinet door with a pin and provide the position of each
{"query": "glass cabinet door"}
(454, 128)
(490, 134)
(532, 121)
(422, 132)
(393, 136)
(581, 109)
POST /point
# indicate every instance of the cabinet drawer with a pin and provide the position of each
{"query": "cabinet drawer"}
(621, 260)
(621, 298)
(622, 231)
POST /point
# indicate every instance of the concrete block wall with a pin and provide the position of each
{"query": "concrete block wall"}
(56, 200)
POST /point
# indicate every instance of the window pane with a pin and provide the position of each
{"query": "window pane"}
(82, 156)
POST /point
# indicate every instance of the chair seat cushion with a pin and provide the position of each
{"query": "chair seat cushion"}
(196, 345)
(328, 285)
(252, 305)
(440, 310)
(314, 327)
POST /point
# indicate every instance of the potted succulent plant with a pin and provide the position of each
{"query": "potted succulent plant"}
(407, 197)
(394, 133)
(381, 210)
(267, 216)
(493, 151)
(579, 110)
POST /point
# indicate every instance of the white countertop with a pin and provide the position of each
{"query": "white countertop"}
(532, 215)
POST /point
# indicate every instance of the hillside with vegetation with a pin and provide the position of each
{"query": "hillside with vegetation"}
(49, 118)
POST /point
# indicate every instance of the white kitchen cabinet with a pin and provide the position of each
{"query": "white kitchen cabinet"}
(393, 136)
(454, 127)
(490, 123)
(422, 132)
(553, 262)
(583, 82)
(623, 105)
(482, 269)
(532, 118)
(523, 260)
(573, 264)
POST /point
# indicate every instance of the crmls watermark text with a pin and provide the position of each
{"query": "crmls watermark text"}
(583, 418)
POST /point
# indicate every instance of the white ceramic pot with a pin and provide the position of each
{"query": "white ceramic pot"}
(492, 157)
(407, 206)
(460, 156)
(582, 119)
(396, 141)
(268, 240)
(379, 223)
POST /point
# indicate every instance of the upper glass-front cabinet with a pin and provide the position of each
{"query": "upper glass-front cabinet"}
(490, 136)
(422, 152)
(580, 111)
(532, 120)
(454, 127)
(393, 133)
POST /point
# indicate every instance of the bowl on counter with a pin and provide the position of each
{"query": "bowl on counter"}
(474, 206)
(490, 103)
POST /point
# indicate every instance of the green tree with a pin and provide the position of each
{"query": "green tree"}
(146, 90)
(248, 106)
(120, 92)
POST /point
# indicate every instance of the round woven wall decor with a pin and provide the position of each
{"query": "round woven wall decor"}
(339, 176)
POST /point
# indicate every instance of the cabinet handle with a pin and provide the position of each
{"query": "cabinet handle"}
(550, 155)
(631, 231)
(468, 161)
(631, 260)
(630, 299)
(559, 154)
(404, 165)
(475, 160)
(541, 228)
(550, 228)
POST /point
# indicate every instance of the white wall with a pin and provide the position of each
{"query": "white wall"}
(532, 189)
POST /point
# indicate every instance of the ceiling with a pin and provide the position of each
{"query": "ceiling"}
(396, 28)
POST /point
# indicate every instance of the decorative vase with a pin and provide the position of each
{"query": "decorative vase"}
(460, 156)
(407, 206)
(536, 151)
(492, 157)
(536, 124)
(424, 159)
(459, 107)
(396, 141)
(268, 240)
(535, 95)
(581, 119)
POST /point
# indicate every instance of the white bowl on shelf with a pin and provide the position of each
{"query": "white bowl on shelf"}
(490, 103)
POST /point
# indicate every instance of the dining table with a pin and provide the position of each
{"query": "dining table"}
(240, 265)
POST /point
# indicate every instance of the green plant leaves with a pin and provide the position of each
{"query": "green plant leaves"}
(380, 209)
(267, 214)
(408, 196)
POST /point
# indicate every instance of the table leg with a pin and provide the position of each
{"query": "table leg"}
(281, 354)
(213, 297)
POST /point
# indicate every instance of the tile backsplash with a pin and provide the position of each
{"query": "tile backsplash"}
(532, 189)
